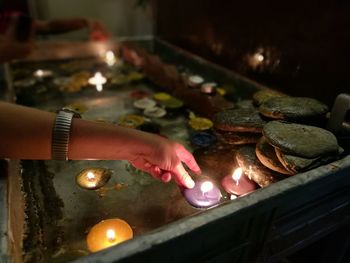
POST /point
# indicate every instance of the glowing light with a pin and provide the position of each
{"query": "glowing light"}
(237, 175)
(98, 80)
(259, 57)
(206, 187)
(110, 58)
(90, 176)
(111, 236)
(40, 73)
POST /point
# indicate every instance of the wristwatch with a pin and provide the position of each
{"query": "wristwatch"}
(61, 133)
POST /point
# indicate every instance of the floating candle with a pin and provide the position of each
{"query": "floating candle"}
(203, 195)
(161, 96)
(203, 139)
(195, 81)
(200, 124)
(144, 103)
(93, 178)
(98, 80)
(108, 233)
(131, 120)
(238, 183)
(172, 103)
(154, 112)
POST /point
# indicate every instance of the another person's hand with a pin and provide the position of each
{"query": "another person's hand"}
(13, 48)
(97, 31)
(163, 159)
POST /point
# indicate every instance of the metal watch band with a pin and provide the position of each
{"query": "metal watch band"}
(61, 133)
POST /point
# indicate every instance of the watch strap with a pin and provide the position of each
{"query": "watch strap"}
(61, 134)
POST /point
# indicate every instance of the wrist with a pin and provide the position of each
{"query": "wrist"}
(61, 134)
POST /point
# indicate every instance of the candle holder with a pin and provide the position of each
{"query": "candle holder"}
(93, 178)
(204, 194)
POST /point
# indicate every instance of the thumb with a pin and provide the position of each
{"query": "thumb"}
(182, 177)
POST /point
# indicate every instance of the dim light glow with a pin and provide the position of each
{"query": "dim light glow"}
(206, 187)
(237, 174)
(111, 236)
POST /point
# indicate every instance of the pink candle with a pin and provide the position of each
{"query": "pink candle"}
(238, 183)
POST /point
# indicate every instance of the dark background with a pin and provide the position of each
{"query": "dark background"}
(305, 45)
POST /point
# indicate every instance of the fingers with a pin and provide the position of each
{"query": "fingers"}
(182, 177)
(186, 157)
(148, 168)
(166, 177)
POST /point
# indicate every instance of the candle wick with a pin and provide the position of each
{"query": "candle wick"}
(111, 235)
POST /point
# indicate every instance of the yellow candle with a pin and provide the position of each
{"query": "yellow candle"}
(108, 233)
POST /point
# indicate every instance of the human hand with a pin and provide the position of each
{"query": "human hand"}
(163, 159)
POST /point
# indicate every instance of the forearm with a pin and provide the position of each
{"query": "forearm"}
(58, 26)
(25, 133)
(91, 140)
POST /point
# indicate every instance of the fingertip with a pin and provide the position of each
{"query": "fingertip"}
(198, 172)
(190, 183)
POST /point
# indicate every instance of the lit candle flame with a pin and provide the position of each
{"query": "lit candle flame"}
(258, 57)
(98, 80)
(39, 73)
(237, 175)
(111, 236)
(110, 58)
(206, 187)
(91, 176)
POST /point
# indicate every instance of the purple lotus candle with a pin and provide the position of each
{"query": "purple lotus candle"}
(238, 183)
(203, 195)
